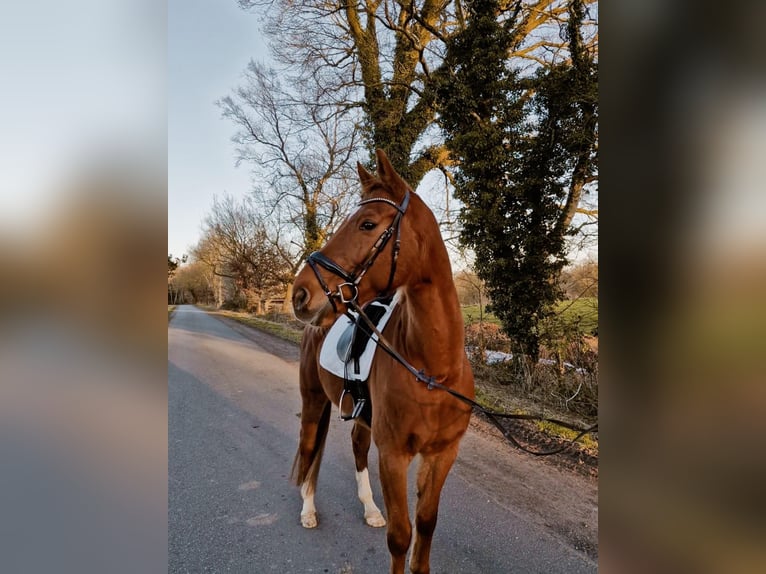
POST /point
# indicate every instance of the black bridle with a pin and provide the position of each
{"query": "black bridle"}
(351, 279)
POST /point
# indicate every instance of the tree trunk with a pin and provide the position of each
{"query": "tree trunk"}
(576, 185)
(287, 306)
(219, 294)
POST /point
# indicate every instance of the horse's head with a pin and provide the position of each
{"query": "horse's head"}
(361, 260)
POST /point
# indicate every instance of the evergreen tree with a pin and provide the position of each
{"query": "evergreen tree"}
(517, 142)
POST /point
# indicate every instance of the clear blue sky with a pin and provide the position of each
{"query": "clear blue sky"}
(209, 45)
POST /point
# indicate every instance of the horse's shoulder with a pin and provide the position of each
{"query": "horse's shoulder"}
(312, 338)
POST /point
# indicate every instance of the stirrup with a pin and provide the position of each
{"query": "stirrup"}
(356, 409)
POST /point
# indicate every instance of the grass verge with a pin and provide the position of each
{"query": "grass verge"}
(498, 397)
(281, 330)
(171, 308)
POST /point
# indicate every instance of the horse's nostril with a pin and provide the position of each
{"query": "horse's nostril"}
(300, 298)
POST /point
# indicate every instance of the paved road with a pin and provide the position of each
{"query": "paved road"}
(233, 428)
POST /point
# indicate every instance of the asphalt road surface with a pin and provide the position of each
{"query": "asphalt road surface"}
(233, 427)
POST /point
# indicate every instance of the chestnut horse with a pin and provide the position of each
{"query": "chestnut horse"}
(390, 243)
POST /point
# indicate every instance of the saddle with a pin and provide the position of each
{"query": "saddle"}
(348, 351)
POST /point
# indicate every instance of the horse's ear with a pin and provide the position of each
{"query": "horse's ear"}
(388, 174)
(364, 176)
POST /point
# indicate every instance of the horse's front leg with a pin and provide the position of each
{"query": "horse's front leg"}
(393, 479)
(360, 440)
(431, 476)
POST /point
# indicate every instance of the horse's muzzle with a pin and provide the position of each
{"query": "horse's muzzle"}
(301, 298)
(302, 308)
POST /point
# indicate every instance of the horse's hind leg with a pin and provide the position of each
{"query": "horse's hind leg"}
(315, 421)
(360, 439)
(431, 476)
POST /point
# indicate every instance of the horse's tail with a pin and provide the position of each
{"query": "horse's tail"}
(308, 470)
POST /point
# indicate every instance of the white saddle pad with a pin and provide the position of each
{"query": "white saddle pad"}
(336, 345)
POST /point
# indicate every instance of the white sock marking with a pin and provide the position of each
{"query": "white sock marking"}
(372, 514)
(309, 511)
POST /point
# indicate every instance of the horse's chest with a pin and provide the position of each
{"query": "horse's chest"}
(349, 348)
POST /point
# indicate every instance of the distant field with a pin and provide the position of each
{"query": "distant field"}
(583, 312)
(471, 314)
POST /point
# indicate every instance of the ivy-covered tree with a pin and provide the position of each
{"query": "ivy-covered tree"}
(518, 141)
(377, 60)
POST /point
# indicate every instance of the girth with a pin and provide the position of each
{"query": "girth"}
(354, 342)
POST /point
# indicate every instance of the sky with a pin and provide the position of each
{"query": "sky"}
(210, 43)
(81, 82)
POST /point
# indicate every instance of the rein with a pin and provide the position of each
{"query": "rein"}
(493, 415)
(351, 281)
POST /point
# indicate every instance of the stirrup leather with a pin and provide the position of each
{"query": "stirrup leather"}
(357, 408)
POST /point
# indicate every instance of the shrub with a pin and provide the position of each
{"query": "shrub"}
(564, 379)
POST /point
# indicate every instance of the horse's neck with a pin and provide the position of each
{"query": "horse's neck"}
(434, 325)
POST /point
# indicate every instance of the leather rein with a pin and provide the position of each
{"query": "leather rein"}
(351, 282)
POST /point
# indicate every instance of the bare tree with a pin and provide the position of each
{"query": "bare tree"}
(236, 246)
(470, 288)
(210, 253)
(301, 155)
(379, 57)
(580, 280)
(194, 283)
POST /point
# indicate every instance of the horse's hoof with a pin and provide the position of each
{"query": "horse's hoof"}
(375, 519)
(309, 520)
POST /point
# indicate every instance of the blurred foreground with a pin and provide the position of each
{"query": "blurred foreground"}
(83, 401)
(683, 260)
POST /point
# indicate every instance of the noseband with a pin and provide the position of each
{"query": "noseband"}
(351, 280)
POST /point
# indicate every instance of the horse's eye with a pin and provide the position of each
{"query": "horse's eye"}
(368, 225)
